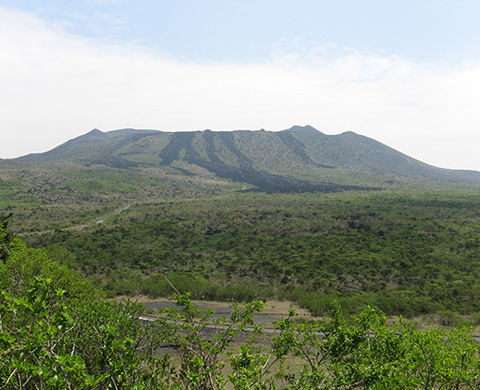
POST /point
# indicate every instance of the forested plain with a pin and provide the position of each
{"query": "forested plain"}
(408, 252)
(60, 332)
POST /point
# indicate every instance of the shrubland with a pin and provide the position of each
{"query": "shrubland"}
(409, 252)
(58, 332)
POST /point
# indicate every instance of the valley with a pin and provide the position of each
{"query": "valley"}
(409, 253)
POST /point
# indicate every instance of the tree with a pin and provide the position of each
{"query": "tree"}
(6, 237)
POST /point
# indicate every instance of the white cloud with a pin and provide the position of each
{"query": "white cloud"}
(56, 86)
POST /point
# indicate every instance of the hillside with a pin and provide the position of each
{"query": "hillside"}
(297, 159)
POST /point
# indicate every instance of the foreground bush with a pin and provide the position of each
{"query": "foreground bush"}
(50, 342)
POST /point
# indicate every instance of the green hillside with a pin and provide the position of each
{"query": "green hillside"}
(297, 159)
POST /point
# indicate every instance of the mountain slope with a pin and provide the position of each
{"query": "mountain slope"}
(296, 159)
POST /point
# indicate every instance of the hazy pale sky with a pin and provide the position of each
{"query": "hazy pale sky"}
(406, 73)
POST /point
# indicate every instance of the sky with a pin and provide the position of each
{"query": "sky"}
(406, 73)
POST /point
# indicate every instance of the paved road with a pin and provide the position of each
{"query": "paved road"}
(260, 318)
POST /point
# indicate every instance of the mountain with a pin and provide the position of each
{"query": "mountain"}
(297, 159)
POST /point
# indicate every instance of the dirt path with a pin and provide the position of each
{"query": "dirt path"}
(77, 228)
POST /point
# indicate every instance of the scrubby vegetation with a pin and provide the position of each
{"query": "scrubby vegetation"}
(411, 252)
(57, 332)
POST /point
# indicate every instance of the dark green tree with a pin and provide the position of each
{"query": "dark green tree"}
(6, 237)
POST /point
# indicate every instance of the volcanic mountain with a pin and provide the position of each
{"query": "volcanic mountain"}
(297, 159)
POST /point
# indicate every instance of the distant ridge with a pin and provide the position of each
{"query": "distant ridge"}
(303, 129)
(300, 158)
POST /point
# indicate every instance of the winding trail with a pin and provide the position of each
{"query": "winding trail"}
(77, 228)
